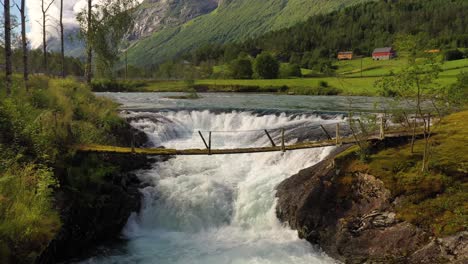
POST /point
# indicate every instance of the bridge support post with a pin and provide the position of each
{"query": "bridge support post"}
(428, 123)
(209, 143)
(269, 137)
(326, 132)
(382, 128)
(283, 147)
(337, 134)
(208, 146)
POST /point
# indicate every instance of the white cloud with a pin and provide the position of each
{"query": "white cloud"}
(70, 9)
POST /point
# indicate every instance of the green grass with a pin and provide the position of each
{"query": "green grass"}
(346, 82)
(37, 128)
(437, 200)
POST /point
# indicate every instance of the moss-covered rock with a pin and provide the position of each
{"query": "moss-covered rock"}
(352, 217)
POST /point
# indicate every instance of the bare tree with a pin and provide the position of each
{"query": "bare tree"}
(89, 48)
(44, 9)
(24, 42)
(62, 44)
(8, 54)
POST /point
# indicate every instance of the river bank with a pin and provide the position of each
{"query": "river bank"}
(51, 198)
(358, 214)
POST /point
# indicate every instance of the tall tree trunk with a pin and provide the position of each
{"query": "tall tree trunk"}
(89, 49)
(44, 37)
(62, 44)
(8, 55)
(24, 41)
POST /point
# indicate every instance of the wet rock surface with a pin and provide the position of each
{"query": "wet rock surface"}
(353, 220)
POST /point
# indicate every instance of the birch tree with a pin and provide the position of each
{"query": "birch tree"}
(103, 26)
(415, 85)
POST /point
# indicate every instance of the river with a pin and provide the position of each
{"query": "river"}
(220, 209)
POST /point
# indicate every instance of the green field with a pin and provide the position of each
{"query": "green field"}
(347, 80)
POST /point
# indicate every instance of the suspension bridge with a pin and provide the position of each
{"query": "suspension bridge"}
(335, 140)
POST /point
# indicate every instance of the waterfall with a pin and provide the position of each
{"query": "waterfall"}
(217, 209)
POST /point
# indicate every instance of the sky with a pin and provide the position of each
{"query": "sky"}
(34, 15)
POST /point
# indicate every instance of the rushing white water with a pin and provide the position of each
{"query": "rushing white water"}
(216, 209)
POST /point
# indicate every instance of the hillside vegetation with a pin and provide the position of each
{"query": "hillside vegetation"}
(37, 130)
(233, 20)
(436, 200)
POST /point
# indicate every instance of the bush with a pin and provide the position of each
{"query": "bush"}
(454, 54)
(266, 66)
(241, 68)
(107, 85)
(457, 93)
(290, 70)
(28, 221)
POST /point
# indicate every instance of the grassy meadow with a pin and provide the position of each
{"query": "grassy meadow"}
(347, 80)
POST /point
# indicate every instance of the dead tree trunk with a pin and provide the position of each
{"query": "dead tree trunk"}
(8, 54)
(89, 49)
(44, 8)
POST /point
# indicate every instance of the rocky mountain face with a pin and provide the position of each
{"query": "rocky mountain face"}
(155, 15)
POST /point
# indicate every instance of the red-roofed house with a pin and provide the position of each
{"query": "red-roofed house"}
(386, 53)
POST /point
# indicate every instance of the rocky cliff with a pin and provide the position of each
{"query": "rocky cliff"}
(154, 15)
(353, 219)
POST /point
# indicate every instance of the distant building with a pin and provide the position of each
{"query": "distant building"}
(432, 51)
(386, 53)
(345, 55)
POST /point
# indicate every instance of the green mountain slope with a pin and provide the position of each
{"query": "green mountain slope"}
(233, 20)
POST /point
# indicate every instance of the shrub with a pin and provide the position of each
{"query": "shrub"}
(454, 54)
(241, 68)
(266, 66)
(107, 85)
(457, 93)
(290, 70)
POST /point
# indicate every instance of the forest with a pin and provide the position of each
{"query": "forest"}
(359, 28)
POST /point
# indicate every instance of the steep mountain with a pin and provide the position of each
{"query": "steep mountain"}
(155, 15)
(74, 45)
(166, 28)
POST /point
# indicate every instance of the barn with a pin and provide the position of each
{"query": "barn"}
(386, 53)
(345, 55)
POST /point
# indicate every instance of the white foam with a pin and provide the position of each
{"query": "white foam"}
(217, 209)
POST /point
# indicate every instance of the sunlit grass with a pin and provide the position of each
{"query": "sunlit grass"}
(436, 200)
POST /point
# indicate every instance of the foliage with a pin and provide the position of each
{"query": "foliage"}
(231, 21)
(453, 54)
(266, 66)
(290, 70)
(37, 130)
(357, 28)
(110, 21)
(107, 85)
(73, 66)
(28, 221)
(457, 93)
(241, 68)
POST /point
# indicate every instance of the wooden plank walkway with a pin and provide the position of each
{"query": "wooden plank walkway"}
(169, 152)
